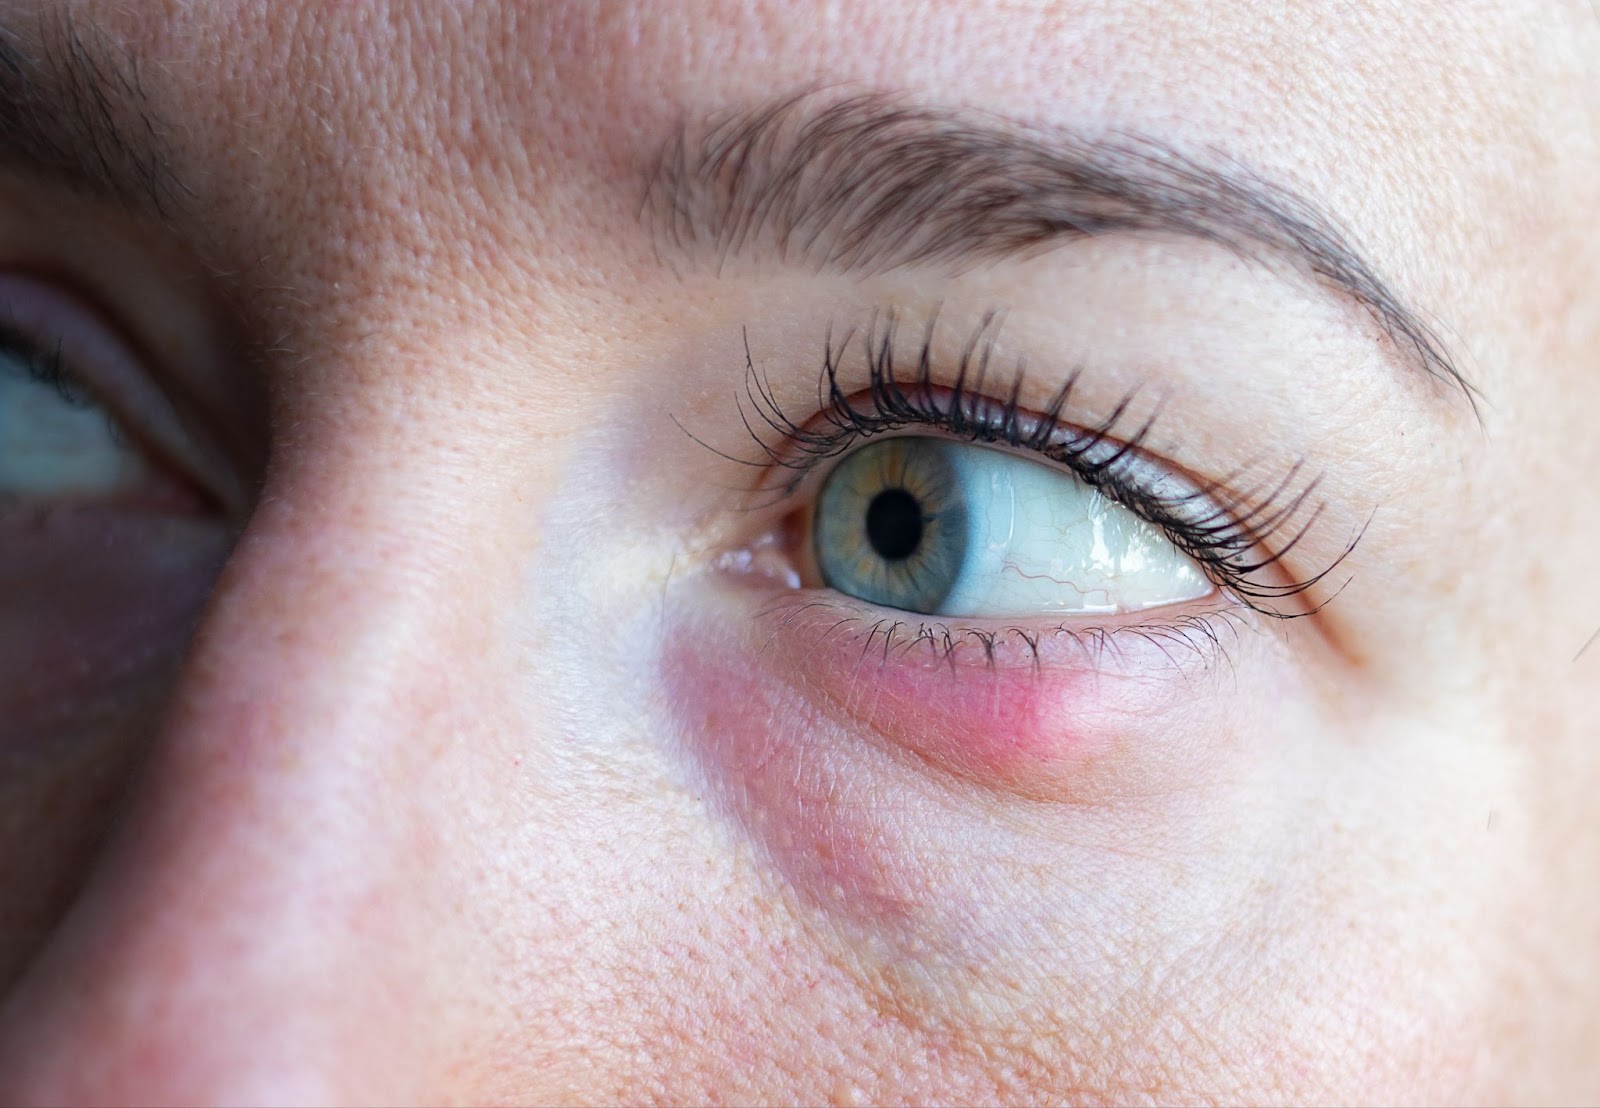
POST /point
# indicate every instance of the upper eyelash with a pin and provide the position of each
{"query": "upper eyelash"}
(1230, 533)
(43, 363)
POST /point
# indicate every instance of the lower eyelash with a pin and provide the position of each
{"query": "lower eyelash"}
(1230, 534)
(1194, 637)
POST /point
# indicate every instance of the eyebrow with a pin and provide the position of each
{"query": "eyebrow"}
(870, 183)
(73, 110)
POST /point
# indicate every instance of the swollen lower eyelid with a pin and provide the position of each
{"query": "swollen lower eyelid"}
(1051, 720)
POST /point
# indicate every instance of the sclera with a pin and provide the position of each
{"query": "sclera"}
(1044, 542)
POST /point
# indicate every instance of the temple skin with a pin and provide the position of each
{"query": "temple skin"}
(456, 754)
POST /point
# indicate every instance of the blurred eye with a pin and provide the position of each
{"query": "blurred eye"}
(113, 525)
(54, 440)
(955, 529)
(65, 381)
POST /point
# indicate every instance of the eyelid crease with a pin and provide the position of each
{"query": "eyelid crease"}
(1227, 526)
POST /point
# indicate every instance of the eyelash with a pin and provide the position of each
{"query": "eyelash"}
(42, 364)
(1226, 532)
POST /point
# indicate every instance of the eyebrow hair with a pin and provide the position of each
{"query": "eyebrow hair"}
(73, 109)
(869, 183)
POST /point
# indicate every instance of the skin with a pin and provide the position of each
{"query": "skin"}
(448, 762)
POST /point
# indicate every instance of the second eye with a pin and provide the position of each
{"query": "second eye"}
(954, 529)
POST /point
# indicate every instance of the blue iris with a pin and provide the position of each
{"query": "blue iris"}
(892, 525)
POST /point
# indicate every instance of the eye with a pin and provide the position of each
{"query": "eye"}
(939, 527)
(54, 440)
(59, 442)
(113, 521)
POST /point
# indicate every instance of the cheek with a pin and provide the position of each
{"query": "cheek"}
(766, 752)
(960, 837)
(99, 607)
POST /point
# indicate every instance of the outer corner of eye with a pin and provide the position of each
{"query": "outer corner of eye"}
(963, 530)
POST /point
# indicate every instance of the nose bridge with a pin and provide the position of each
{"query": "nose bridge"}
(270, 918)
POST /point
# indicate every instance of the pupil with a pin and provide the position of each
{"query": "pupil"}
(894, 524)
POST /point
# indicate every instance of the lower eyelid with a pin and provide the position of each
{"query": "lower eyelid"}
(1187, 635)
(1027, 710)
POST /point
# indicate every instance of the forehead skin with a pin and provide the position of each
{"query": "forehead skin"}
(433, 211)
(540, 119)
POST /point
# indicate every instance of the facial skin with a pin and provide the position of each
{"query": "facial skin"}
(472, 742)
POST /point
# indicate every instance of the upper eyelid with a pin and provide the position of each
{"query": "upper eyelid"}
(53, 361)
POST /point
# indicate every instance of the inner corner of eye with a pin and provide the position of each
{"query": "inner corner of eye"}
(954, 529)
(769, 558)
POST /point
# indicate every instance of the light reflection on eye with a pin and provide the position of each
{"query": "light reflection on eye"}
(946, 528)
